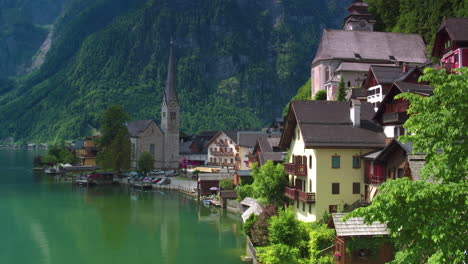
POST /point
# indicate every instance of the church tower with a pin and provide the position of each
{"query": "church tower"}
(359, 17)
(170, 117)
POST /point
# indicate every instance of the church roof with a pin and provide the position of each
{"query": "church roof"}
(135, 128)
(371, 47)
(170, 93)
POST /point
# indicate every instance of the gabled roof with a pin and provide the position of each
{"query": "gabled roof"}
(456, 27)
(328, 124)
(232, 135)
(402, 87)
(371, 47)
(355, 226)
(353, 67)
(249, 138)
(135, 128)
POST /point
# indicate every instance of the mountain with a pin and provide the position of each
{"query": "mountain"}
(238, 61)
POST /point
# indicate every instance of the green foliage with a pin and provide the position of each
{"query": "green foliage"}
(58, 153)
(227, 184)
(416, 16)
(268, 184)
(320, 95)
(428, 220)
(341, 96)
(304, 93)
(372, 244)
(439, 125)
(259, 231)
(279, 254)
(145, 162)
(326, 217)
(286, 229)
(249, 224)
(115, 140)
(240, 64)
(321, 238)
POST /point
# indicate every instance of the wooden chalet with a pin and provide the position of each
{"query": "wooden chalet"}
(355, 228)
(451, 43)
(267, 148)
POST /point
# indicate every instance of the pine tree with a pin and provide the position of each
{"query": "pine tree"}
(341, 96)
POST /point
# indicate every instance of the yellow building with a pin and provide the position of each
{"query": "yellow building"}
(326, 140)
(87, 152)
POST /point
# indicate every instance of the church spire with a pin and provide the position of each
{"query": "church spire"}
(170, 94)
(359, 17)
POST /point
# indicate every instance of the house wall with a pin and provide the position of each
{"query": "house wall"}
(152, 135)
(243, 164)
(193, 157)
(231, 145)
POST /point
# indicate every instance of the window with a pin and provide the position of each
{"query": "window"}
(398, 131)
(336, 162)
(356, 162)
(173, 115)
(133, 151)
(310, 162)
(356, 187)
(310, 208)
(152, 148)
(164, 114)
(310, 185)
(333, 208)
(232, 161)
(349, 83)
(335, 188)
(303, 207)
(327, 73)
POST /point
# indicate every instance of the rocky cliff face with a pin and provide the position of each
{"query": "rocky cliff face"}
(238, 63)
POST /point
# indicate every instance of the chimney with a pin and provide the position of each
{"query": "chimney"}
(405, 68)
(355, 112)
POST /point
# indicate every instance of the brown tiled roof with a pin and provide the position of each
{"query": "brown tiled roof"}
(355, 226)
(366, 47)
(328, 124)
(457, 28)
(414, 88)
(138, 126)
(273, 156)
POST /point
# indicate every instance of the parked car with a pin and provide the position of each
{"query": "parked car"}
(165, 181)
(157, 180)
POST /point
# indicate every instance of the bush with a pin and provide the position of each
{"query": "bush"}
(145, 162)
(321, 237)
(286, 229)
(279, 254)
(259, 230)
(249, 224)
(321, 95)
(244, 191)
(227, 184)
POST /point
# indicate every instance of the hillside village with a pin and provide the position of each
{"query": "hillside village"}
(336, 153)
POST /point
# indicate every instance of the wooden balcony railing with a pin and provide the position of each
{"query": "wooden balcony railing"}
(295, 169)
(376, 179)
(290, 193)
(306, 197)
(447, 66)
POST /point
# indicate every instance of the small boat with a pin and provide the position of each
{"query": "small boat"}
(52, 171)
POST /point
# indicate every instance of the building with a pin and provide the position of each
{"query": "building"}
(232, 148)
(162, 142)
(146, 136)
(451, 43)
(325, 141)
(267, 148)
(349, 53)
(396, 160)
(392, 113)
(194, 149)
(355, 229)
(380, 79)
(86, 151)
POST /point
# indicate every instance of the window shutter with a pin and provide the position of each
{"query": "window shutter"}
(356, 188)
(335, 188)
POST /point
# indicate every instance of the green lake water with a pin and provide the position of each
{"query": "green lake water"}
(43, 220)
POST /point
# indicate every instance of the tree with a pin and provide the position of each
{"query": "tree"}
(321, 95)
(268, 184)
(145, 162)
(304, 93)
(227, 184)
(115, 142)
(341, 96)
(428, 219)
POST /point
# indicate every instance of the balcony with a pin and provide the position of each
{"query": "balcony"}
(396, 117)
(376, 179)
(221, 143)
(295, 169)
(290, 193)
(306, 197)
(448, 67)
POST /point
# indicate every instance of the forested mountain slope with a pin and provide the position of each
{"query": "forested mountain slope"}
(238, 63)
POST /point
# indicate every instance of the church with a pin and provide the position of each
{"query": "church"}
(162, 142)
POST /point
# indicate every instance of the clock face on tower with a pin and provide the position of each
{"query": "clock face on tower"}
(173, 103)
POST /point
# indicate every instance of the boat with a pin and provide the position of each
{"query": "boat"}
(52, 171)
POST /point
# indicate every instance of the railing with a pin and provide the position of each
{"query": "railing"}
(376, 179)
(295, 169)
(290, 193)
(306, 197)
(447, 66)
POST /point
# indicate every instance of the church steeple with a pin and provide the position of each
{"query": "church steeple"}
(359, 17)
(170, 93)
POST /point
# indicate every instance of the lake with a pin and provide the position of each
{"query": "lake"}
(43, 220)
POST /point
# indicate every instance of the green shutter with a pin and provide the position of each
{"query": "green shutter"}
(335, 162)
